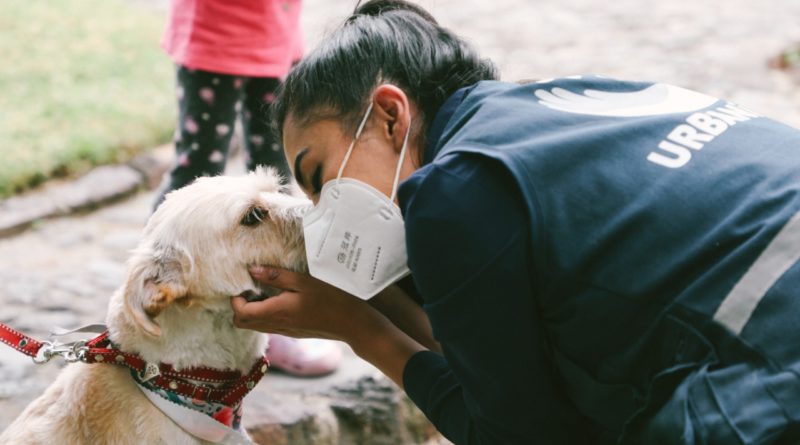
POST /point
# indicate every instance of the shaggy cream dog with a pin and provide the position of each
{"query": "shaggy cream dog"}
(174, 308)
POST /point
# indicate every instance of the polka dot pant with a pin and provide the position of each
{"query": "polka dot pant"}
(208, 106)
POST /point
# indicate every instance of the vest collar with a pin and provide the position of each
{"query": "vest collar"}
(440, 121)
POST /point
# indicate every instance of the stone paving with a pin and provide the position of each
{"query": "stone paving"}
(61, 271)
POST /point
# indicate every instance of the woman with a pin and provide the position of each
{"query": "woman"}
(600, 261)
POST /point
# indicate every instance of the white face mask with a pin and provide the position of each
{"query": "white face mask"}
(355, 237)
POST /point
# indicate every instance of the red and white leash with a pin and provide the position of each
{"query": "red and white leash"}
(229, 387)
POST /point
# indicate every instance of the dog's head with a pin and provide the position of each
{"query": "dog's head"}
(197, 246)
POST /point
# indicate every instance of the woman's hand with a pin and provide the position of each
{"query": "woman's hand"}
(308, 307)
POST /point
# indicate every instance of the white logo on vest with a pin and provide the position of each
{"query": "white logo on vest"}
(654, 100)
(675, 150)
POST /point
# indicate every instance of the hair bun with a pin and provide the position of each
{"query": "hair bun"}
(376, 8)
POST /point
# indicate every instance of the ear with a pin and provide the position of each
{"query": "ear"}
(156, 280)
(393, 109)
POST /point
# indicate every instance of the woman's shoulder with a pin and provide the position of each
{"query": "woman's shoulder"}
(460, 213)
(458, 182)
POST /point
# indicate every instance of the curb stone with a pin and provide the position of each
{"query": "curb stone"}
(100, 186)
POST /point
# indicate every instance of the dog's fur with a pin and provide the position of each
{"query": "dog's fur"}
(174, 308)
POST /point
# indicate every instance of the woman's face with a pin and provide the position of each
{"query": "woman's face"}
(315, 150)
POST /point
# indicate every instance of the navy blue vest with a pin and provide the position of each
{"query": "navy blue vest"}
(648, 203)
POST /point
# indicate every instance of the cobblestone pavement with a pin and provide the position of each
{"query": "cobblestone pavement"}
(61, 272)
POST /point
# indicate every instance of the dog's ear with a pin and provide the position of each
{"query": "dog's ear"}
(156, 280)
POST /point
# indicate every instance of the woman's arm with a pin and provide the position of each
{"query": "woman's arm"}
(387, 347)
(406, 314)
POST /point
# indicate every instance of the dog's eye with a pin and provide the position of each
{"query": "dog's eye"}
(254, 217)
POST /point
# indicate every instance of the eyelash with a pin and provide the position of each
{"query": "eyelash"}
(316, 180)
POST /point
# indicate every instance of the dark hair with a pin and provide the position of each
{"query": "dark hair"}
(382, 41)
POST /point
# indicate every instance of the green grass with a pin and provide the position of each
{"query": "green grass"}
(82, 83)
(792, 57)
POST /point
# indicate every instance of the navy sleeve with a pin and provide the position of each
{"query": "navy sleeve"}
(469, 251)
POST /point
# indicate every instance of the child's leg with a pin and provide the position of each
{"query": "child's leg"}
(305, 357)
(206, 116)
(260, 143)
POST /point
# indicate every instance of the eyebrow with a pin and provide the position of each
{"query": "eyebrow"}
(298, 175)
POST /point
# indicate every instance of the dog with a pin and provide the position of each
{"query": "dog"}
(174, 308)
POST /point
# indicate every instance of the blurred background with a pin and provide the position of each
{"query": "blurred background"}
(84, 84)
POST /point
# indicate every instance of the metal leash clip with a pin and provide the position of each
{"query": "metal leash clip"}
(70, 352)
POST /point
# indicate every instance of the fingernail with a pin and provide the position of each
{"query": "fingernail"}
(264, 272)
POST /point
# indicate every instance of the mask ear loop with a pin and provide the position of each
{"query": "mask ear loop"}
(403, 150)
(353, 144)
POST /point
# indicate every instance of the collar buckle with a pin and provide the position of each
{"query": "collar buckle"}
(150, 371)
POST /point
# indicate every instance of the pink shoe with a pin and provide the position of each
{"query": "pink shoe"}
(304, 357)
